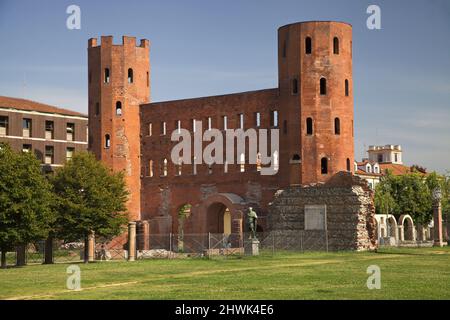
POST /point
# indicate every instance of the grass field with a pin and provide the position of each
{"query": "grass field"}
(405, 274)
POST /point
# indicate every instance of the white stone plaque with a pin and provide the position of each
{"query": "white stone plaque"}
(315, 216)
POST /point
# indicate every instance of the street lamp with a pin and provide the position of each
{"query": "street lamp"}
(437, 217)
(437, 196)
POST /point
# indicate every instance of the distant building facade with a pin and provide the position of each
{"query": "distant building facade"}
(385, 154)
(53, 134)
(381, 159)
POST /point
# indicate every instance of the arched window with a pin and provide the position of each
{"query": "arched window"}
(106, 79)
(336, 45)
(118, 108)
(130, 75)
(296, 157)
(337, 126)
(323, 86)
(242, 162)
(258, 162)
(150, 168)
(107, 141)
(324, 166)
(194, 166)
(308, 45)
(148, 80)
(309, 126)
(97, 109)
(294, 86)
(179, 166)
(346, 88)
(276, 161)
(165, 168)
(348, 164)
(284, 49)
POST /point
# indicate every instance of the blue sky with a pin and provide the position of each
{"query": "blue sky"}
(206, 47)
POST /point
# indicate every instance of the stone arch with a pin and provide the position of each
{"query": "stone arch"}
(215, 209)
(391, 227)
(379, 226)
(406, 228)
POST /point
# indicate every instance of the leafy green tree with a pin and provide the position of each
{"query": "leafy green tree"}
(91, 198)
(414, 198)
(411, 194)
(384, 195)
(25, 200)
(442, 182)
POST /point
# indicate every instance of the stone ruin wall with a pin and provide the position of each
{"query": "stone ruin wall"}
(350, 213)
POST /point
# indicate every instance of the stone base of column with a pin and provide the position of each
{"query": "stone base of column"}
(251, 247)
(439, 244)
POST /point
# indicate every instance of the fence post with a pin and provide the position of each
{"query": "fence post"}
(273, 243)
(326, 239)
(48, 251)
(170, 245)
(132, 241)
(209, 245)
(301, 242)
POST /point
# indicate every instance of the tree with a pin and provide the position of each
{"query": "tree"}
(91, 198)
(384, 195)
(414, 198)
(442, 182)
(407, 194)
(25, 200)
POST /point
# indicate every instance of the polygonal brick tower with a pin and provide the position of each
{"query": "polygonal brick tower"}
(119, 81)
(316, 97)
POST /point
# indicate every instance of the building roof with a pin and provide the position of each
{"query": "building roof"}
(395, 169)
(365, 161)
(28, 105)
(364, 173)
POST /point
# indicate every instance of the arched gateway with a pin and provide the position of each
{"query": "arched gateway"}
(223, 213)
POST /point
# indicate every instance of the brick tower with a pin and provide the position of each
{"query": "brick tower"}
(119, 81)
(315, 83)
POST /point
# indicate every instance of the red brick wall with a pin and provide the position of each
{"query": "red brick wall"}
(323, 109)
(300, 154)
(124, 153)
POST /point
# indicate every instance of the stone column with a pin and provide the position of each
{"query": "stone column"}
(91, 247)
(437, 216)
(401, 233)
(144, 236)
(132, 241)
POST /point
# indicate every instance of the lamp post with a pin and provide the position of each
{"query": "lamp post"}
(437, 217)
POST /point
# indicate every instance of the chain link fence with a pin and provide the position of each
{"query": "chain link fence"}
(213, 245)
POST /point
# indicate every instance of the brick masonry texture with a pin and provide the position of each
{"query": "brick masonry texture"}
(350, 212)
(157, 197)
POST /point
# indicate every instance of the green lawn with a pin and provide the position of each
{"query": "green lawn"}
(405, 274)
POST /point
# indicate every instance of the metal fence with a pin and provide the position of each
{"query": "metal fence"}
(212, 245)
